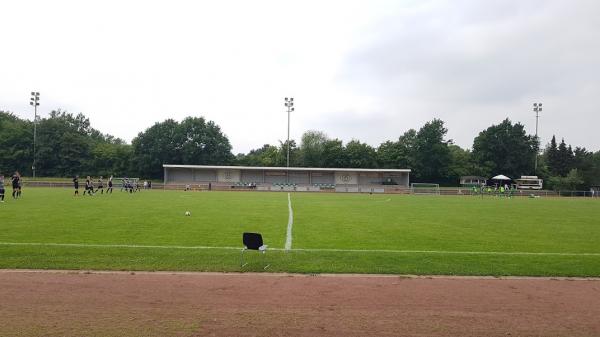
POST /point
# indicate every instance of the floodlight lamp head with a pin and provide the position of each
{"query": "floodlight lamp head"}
(292, 109)
(37, 104)
(540, 105)
(30, 103)
(292, 99)
(37, 93)
(286, 99)
(32, 93)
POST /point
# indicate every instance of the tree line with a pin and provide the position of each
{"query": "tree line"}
(68, 145)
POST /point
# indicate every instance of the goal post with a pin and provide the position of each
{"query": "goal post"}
(120, 181)
(425, 188)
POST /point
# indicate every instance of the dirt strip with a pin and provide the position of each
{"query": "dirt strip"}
(198, 304)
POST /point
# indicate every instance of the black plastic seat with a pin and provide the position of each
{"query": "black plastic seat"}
(253, 241)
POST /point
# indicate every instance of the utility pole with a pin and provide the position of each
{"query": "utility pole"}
(537, 107)
(35, 102)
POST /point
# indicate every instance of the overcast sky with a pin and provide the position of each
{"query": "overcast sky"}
(368, 70)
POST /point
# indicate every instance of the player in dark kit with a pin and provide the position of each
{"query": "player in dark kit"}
(89, 186)
(76, 185)
(100, 186)
(16, 185)
(1, 188)
(109, 185)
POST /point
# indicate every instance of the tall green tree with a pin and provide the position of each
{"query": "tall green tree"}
(156, 146)
(398, 154)
(432, 155)
(295, 158)
(312, 147)
(552, 156)
(505, 149)
(64, 145)
(16, 144)
(461, 164)
(360, 155)
(268, 155)
(583, 161)
(191, 142)
(109, 158)
(570, 182)
(334, 154)
(594, 174)
(565, 159)
(202, 142)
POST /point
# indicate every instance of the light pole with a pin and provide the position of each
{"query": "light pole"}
(537, 107)
(35, 102)
(289, 103)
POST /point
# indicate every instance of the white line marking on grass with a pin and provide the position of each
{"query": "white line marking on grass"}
(440, 252)
(99, 245)
(288, 236)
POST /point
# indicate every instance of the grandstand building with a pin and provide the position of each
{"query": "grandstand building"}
(282, 178)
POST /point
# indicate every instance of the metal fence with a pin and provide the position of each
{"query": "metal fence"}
(523, 193)
(583, 194)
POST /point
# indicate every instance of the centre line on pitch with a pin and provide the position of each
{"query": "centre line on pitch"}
(288, 236)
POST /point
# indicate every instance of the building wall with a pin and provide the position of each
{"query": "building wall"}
(346, 178)
(275, 177)
(196, 175)
(228, 176)
(205, 175)
(180, 174)
(186, 175)
(369, 178)
(300, 178)
(401, 178)
(322, 178)
(252, 176)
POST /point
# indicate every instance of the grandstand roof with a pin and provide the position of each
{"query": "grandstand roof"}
(319, 169)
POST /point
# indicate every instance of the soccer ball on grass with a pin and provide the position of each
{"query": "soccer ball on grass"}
(187, 213)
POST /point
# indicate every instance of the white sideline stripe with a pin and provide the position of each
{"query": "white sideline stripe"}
(441, 252)
(99, 245)
(288, 236)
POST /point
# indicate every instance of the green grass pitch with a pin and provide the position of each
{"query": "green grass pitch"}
(332, 233)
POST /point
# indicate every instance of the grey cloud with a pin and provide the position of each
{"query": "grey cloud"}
(463, 57)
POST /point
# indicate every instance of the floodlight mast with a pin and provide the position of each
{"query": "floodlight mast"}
(35, 102)
(289, 103)
(537, 108)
